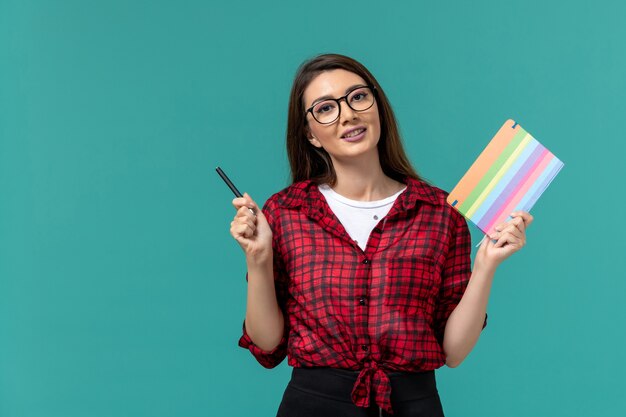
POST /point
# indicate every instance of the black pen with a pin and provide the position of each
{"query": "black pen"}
(230, 184)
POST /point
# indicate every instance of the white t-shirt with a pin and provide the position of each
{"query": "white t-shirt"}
(358, 217)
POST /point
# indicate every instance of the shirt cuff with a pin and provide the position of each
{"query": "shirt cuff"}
(267, 358)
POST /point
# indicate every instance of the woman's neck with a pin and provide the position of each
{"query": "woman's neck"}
(364, 182)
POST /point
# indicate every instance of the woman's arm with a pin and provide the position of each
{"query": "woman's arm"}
(264, 318)
(466, 321)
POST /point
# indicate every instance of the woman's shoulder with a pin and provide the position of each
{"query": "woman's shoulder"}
(427, 192)
(434, 195)
(291, 196)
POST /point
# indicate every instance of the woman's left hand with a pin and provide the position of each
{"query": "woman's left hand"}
(510, 237)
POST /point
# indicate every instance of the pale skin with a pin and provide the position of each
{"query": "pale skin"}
(360, 177)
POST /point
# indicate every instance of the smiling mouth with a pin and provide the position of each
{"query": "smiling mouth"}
(354, 133)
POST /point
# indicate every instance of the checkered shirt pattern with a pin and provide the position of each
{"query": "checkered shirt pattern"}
(379, 310)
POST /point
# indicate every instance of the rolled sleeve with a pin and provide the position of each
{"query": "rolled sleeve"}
(268, 359)
(456, 273)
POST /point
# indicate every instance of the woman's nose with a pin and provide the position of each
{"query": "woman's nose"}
(346, 112)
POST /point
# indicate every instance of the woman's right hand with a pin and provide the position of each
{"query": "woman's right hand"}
(251, 231)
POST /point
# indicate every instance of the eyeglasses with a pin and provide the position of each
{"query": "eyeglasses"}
(328, 111)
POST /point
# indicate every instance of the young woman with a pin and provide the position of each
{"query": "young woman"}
(360, 272)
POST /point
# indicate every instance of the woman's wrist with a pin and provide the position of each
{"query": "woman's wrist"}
(484, 269)
(260, 260)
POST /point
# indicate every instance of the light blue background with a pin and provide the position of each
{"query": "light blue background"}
(121, 290)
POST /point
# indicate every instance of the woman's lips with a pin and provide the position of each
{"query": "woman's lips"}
(352, 137)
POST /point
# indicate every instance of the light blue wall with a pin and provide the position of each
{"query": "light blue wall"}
(121, 291)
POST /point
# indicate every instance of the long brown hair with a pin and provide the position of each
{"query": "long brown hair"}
(309, 162)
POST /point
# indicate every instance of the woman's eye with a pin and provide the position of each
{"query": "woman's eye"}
(359, 96)
(324, 108)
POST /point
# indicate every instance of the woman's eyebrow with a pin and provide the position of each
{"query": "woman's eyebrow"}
(329, 97)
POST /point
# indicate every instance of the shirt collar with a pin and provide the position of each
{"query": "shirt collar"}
(306, 194)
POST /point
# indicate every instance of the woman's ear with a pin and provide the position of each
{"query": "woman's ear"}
(312, 139)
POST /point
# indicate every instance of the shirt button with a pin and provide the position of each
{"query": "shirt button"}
(364, 348)
(362, 301)
(366, 261)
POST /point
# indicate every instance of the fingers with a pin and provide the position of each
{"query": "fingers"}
(254, 205)
(244, 201)
(244, 215)
(520, 219)
(507, 239)
(244, 223)
(516, 222)
(241, 227)
(510, 234)
(239, 230)
(526, 217)
(513, 232)
(512, 228)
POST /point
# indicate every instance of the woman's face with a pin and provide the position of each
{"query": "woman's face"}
(354, 133)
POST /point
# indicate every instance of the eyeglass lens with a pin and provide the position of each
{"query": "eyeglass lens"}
(327, 111)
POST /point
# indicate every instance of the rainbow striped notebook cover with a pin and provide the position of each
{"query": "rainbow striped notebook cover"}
(509, 175)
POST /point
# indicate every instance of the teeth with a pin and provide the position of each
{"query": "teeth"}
(353, 133)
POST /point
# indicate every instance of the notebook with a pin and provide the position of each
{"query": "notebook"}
(509, 175)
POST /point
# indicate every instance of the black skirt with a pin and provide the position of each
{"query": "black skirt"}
(326, 392)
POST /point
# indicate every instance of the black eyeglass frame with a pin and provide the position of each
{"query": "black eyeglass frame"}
(345, 98)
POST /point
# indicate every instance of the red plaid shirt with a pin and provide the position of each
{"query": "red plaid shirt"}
(382, 309)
